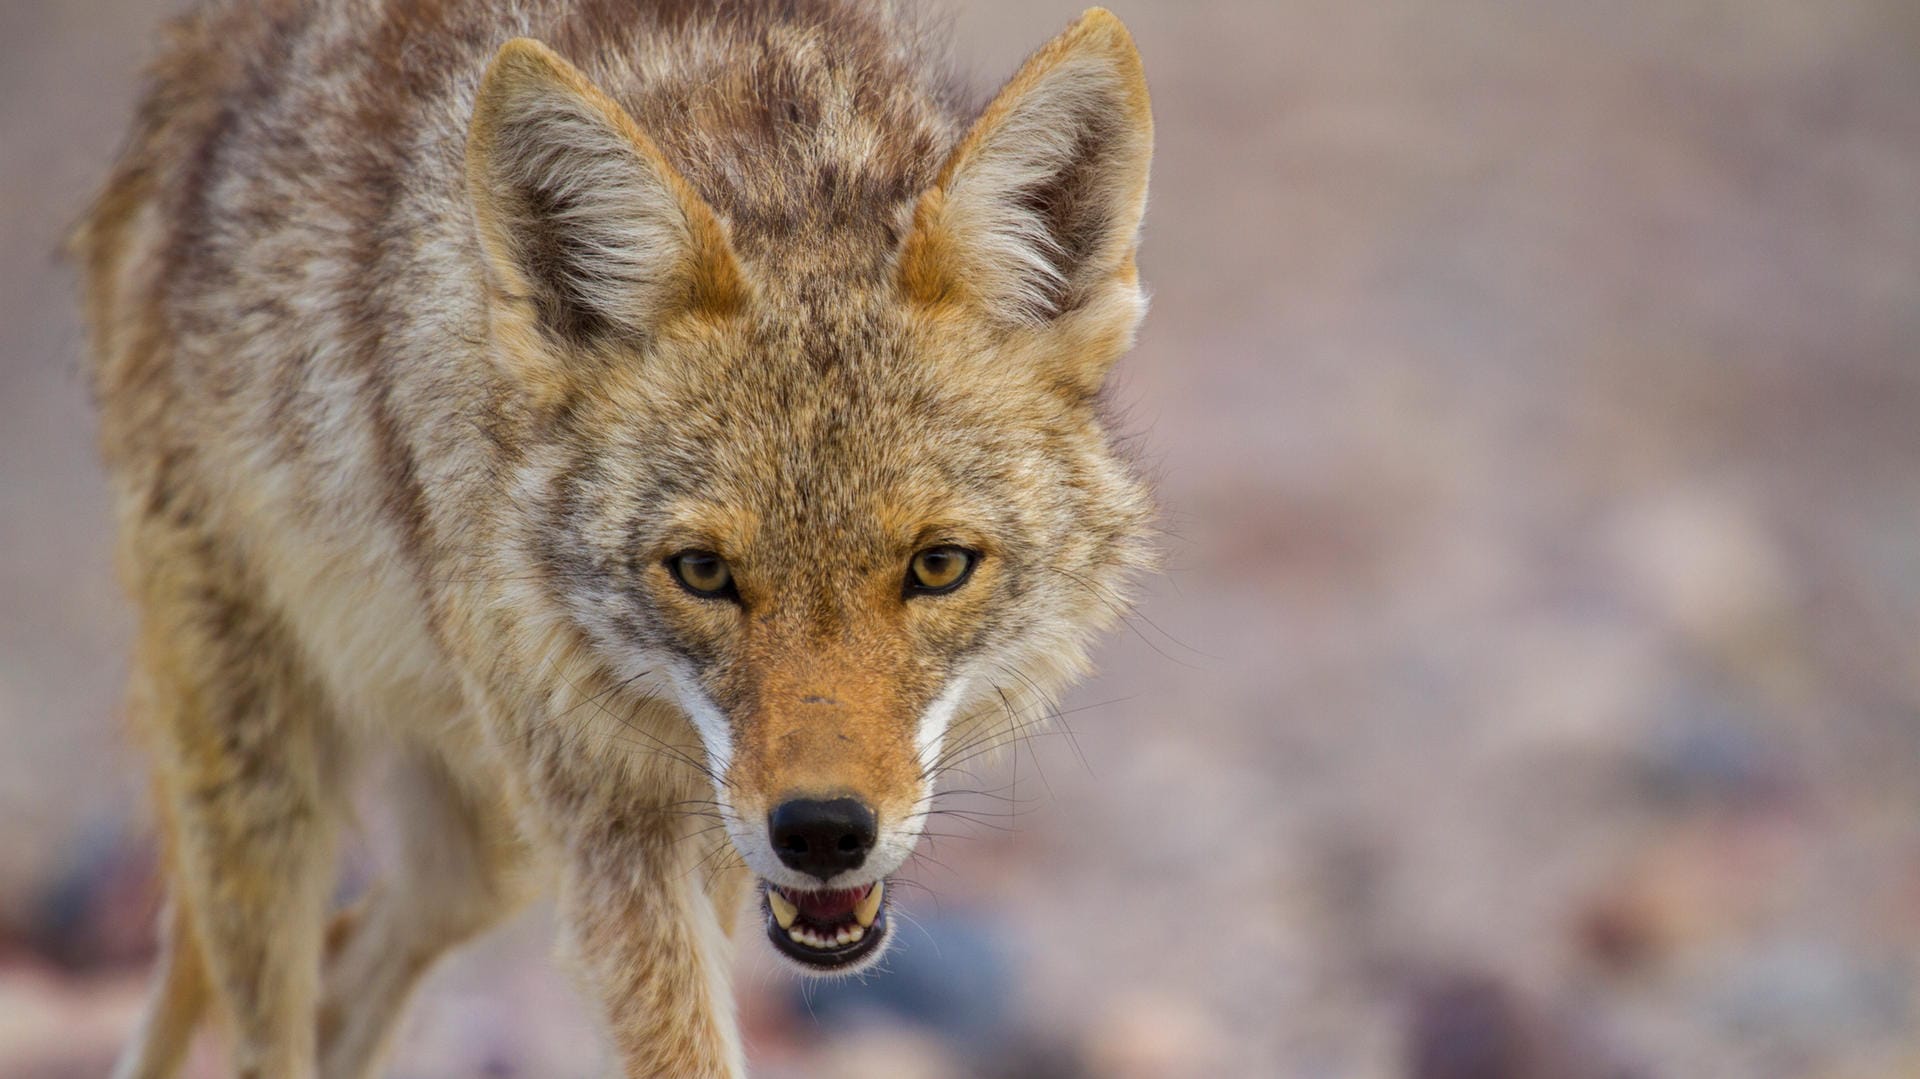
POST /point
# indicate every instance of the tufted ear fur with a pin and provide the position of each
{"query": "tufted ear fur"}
(583, 222)
(1036, 215)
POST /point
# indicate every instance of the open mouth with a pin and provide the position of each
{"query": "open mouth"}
(827, 931)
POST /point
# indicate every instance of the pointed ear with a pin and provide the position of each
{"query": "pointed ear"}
(581, 218)
(1036, 214)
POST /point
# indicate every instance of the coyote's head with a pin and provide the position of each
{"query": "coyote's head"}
(824, 456)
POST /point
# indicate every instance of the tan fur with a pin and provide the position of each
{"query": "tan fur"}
(420, 350)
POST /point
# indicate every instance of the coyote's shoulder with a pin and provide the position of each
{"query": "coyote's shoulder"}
(640, 422)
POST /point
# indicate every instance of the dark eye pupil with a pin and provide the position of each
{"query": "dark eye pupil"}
(940, 569)
(701, 572)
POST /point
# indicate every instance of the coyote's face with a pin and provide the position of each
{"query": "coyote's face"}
(858, 523)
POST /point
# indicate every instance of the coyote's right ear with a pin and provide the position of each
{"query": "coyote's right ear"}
(579, 214)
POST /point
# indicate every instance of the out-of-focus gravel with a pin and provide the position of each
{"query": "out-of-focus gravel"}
(1534, 692)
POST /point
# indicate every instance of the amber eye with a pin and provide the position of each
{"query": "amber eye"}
(703, 573)
(939, 569)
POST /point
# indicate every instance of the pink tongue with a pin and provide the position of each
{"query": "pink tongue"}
(826, 906)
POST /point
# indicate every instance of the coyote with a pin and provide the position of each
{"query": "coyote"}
(667, 436)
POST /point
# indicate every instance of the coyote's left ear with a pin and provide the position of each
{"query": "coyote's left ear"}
(1035, 216)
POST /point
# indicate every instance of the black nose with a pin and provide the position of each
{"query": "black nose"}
(822, 838)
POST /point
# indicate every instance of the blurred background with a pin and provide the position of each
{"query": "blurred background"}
(1535, 691)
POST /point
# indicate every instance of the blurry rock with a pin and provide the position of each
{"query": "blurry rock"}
(1620, 933)
(1702, 881)
(99, 912)
(1702, 558)
(62, 1070)
(52, 1025)
(1704, 750)
(1352, 880)
(1034, 1057)
(1150, 1035)
(883, 1050)
(1473, 1025)
(1816, 995)
(1468, 1027)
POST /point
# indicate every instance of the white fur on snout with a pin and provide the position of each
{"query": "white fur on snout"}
(716, 734)
(932, 732)
(897, 839)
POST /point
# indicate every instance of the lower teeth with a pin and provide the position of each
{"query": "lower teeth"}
(847, 934)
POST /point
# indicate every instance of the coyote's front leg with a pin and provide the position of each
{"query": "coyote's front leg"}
(647, 922)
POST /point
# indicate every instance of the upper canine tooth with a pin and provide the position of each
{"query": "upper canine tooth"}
(783, 911)
(869, 906)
